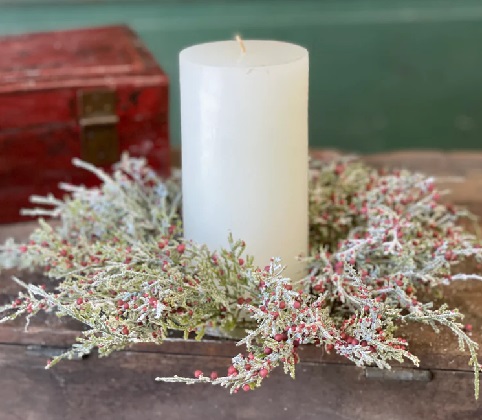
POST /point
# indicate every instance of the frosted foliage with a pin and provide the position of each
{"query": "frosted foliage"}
(120, 266)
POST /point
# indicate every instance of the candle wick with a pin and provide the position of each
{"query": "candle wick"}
(241, 44)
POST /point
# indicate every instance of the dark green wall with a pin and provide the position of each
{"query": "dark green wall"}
(384, 74)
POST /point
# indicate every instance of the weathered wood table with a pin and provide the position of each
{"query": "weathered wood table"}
(327, 387)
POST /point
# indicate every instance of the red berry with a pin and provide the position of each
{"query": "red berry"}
(282, 305)
(181, 248)
(240, 300)
(23, 249)
(246, 388)
(297, 305)
(468, 328)
(240, 261)
(278, 337)
(339, 169)
(268, 350)
(263, 373)
(80, 301)
(232, 371)
(214, 375)
(197, 373)
(329, 347)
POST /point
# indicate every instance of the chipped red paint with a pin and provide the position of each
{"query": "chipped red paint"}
(40, 78)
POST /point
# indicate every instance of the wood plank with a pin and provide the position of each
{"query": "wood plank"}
(123, 387)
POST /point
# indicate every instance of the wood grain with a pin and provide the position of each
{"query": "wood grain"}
(123, 387)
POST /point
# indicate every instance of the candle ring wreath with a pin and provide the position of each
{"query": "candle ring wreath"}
(379, 240)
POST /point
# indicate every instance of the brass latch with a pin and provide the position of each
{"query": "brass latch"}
(98, 124)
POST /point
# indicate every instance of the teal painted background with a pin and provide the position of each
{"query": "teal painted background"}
(384, 74)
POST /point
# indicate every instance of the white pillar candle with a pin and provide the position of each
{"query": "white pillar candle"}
(245, 147)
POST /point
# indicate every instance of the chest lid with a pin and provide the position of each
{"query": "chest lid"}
(73, 58)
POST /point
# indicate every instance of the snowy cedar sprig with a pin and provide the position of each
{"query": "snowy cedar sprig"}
(122, 268)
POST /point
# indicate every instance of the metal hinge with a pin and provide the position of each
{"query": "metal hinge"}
(398, 374)
(98, 124)
(50, 352)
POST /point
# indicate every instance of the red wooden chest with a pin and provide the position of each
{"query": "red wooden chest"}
(89, 93)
